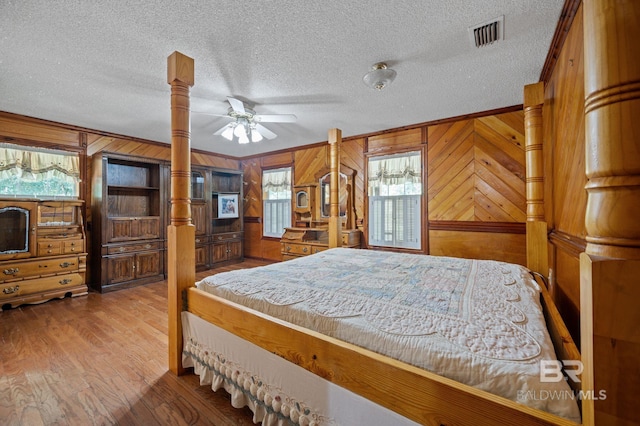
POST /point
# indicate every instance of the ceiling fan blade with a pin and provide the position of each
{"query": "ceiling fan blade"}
(265, 132)
(211, 113)
(222, 129)
(275, 118)
(236, 104)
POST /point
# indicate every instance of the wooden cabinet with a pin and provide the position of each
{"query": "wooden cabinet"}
(42, 251)
(128, 221)
(226, 214)
(227, 248)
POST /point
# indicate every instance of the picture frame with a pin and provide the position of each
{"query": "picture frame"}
(228, 205)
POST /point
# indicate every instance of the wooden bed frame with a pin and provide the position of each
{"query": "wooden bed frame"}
(412, 392)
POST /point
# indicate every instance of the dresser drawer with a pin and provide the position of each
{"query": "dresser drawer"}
(50, 248)
(56, 282)
(38, 267)
(129, 248)
(227, 236)
(73, 246)
(299, 249)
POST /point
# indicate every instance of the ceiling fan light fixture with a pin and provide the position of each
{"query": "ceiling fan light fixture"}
(228, 133)
(379, 77)
(255, 136)
(243, 138)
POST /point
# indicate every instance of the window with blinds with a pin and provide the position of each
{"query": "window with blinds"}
(276, 196)
(395, 191)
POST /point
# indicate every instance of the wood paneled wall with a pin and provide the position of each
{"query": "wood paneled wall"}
(564, 152)
(474, 174)
(476, 169)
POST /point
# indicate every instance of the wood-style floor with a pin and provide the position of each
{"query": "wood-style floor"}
(101, 359)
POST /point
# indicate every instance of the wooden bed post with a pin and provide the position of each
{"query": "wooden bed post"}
(335, 224)
(610, 267)
(181, 232)
(537, 245)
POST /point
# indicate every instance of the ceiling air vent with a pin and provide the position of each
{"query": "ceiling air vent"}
(488, 32)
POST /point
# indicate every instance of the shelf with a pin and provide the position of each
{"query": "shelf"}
(132, 188)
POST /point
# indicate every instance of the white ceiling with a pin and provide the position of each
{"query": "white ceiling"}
(103, 65)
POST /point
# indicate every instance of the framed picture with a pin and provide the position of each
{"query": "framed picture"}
(228, 205)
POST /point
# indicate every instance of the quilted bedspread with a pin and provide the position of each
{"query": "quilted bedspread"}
(475, 321)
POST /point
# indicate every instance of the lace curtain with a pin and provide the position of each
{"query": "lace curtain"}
(35, 164)
(276, 183)
(38, 172)
(394, 170)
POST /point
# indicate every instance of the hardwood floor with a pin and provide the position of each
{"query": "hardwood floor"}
(101, 359)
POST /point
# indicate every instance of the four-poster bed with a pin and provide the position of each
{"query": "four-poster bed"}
(415, 394)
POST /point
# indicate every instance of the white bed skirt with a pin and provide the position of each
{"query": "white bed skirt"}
(277, 391)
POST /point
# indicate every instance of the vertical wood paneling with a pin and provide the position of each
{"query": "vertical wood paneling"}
(476, 169)
(564, 149)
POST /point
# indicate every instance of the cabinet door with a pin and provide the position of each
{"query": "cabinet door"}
(119, 229)
(147, 227)
(199, 217)
(202, 256)
(121, 268)
(219, 252)
(234, 250)
(147, 264)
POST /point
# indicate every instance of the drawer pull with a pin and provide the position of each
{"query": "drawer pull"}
(11, 271)
(43, 266)
(66, 264)
(121, 249)
(65, 281)
(11, 290)
(197, 240)
(147, 246)
(288, 248)
(304, 250)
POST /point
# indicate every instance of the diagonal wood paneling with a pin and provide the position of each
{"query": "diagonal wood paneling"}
(307, 164)
(476, 169)
(252, 190)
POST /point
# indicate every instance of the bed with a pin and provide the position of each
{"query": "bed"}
(477, 322)
(249, 352)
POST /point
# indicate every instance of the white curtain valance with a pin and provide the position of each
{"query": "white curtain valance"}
(34, 164)
(276, 180)
(395, 170)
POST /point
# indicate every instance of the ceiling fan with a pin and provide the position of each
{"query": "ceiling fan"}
(246, 123)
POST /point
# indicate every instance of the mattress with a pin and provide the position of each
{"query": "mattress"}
(478, 322)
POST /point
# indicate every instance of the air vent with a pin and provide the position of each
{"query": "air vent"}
(488, 32)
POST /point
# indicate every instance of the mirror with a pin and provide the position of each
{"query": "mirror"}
(325, 195)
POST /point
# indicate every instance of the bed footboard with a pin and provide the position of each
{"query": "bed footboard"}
(412, 392)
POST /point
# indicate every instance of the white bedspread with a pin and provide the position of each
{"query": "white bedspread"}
(477, 322)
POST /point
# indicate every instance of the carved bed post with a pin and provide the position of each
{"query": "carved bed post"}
(181, 232)
(610, 267)
(537, 245)
(335, 224)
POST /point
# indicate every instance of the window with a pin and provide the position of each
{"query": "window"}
(276, 196)
(395, 189)
(35, 172)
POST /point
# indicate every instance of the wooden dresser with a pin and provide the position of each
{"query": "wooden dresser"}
(297, 242)
(42, 251)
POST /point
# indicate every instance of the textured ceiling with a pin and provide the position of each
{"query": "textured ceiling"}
(102, 65)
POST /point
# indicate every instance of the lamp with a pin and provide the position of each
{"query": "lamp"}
(379, 77)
